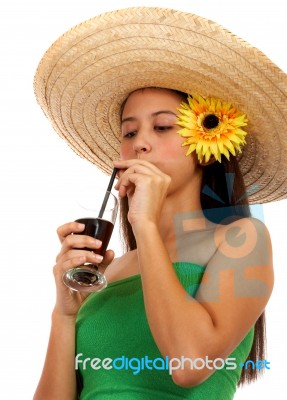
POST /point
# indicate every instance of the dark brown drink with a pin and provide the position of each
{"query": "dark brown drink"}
(99, 229)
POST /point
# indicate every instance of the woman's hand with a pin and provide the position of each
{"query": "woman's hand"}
(68, 301)
(146, 188)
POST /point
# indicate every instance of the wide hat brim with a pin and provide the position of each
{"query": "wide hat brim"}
(84, 77)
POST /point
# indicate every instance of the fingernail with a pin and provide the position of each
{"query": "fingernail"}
(98, 257)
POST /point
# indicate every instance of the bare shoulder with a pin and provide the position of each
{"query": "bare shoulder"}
(247, 224)
(244, 237)
(238, 280)
(243, 258)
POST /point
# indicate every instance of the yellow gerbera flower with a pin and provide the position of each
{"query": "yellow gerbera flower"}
(212, 127)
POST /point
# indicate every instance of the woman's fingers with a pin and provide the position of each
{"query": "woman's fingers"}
(136, 166)
(75, 251)
(125, 164)
(71, 227)
(146, 187)
(85, 243)
(70, 240)
(108, 258)
(64, 266)
(134, 172)
(89, 256)
(79, 249)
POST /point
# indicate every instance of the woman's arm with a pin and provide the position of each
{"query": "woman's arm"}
(58, 379)
(233, 294)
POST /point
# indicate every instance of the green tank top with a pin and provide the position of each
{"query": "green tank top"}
(125, 363)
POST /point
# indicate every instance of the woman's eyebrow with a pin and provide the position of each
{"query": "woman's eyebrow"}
(164, 112)
(128, 119)
(153, 115)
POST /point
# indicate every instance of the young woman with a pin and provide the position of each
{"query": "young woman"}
(184, 307)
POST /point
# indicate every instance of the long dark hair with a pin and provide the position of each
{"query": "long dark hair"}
(232, 193)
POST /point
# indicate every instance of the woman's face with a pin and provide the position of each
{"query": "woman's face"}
(149, 132)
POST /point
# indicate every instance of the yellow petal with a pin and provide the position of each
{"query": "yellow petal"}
(207, 155)
(226, 152)
(226, 138)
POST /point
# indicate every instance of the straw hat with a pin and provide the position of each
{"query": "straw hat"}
(87, 73)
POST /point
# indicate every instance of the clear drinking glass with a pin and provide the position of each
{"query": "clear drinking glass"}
(87, 278)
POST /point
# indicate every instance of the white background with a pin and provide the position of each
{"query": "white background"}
(41, 177)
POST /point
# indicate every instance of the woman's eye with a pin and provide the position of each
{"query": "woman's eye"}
(129, 134)
(162, 128)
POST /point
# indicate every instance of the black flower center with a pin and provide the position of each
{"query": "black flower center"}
(210, 121)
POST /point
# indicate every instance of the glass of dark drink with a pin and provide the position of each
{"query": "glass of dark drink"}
(87, 278)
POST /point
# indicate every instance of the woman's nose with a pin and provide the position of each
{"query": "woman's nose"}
(142, 144)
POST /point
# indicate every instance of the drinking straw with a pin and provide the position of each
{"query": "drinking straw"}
(108, 192)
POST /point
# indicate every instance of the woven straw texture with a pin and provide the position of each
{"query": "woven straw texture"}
(87, 73)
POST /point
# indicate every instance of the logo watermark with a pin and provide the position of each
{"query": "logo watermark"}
(224, 235)
(136, 365)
